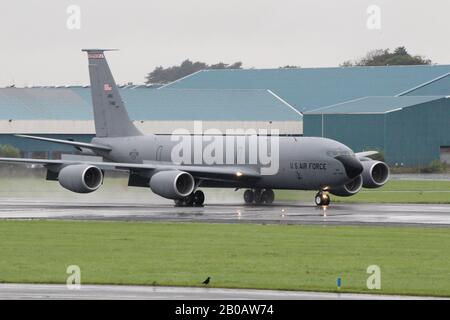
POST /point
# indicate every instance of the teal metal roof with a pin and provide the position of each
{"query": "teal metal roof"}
(440, 87)
(373, 105)
(43, 103)
(310, 88)
(74, 103)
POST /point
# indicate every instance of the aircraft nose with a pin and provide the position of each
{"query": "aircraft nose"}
(353, 167)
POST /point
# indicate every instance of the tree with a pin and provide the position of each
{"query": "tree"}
(8, 151)
(347, 63)
(162, 75)
(384, 57)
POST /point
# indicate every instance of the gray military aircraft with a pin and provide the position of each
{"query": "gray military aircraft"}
(303, 163)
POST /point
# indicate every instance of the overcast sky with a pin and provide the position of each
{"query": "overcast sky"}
(39, 49)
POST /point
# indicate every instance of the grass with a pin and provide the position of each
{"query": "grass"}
(413, 260)
(395, 191)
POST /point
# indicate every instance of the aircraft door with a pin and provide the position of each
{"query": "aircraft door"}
(158, 153)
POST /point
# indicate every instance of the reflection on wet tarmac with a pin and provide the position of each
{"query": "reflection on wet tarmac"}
(283, 213)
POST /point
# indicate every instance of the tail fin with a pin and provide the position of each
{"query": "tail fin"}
(110, 116)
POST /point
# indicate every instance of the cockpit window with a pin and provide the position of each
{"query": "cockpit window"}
(340, 152)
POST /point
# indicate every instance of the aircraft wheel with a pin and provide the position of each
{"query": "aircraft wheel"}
(322, 199)
(268, 196)
(199, 198)
(249, 196)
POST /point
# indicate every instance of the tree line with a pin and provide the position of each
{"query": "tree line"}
(384, 57)
(379, 57)
(161, 75)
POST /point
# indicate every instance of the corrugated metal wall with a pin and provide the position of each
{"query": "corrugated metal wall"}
(358, 131)
(415, 134)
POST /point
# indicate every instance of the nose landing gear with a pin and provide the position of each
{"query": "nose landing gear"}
(322, 198)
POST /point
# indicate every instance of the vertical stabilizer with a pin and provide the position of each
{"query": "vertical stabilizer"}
(110, 116)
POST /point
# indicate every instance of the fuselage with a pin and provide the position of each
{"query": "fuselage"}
(302, 163)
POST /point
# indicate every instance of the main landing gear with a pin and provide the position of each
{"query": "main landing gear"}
(195, 199)
(322, 198)
(259, 196)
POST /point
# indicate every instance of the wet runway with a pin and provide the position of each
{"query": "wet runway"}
(282, 213)
(109, 292)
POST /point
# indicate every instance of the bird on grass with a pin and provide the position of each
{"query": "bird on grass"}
(206, 281)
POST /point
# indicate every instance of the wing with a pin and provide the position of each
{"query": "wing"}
(72, 143)
(198, 171)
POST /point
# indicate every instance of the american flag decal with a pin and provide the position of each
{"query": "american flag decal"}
(107, 87)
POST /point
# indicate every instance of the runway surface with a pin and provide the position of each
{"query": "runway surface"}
(283, 213)
(108, 292)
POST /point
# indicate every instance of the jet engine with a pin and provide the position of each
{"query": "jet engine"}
(349, 189)
(172, 184)
(375, 173)
(80, 178)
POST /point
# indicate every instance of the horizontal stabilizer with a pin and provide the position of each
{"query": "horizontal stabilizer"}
(72, 143)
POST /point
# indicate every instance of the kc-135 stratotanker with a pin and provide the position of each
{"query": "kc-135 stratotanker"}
(296, 163)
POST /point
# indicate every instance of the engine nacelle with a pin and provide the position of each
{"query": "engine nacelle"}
(375, 173)
(349, 189)
(80, 178)
(172, 184)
